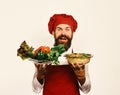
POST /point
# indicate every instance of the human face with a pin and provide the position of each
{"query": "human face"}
(63, 35)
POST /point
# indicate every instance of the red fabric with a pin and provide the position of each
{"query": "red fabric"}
(61, 19)
(60, 80)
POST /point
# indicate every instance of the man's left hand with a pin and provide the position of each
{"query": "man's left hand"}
(79, 70)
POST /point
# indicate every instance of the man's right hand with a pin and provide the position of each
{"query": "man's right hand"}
(41, 70)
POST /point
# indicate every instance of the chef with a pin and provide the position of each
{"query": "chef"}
(65, 78)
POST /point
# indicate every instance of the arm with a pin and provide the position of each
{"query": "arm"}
(81, 71)
(39, 77)
(86, 86)
(37, 86)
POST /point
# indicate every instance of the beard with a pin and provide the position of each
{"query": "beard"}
(63, 37)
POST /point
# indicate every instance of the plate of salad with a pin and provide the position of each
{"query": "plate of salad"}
(41, 54)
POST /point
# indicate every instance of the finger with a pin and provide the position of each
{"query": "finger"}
(41, 66)
(77, 66)
(72, 65)
(41, 69)
(80, 65)
(35, 63)
(46, 65)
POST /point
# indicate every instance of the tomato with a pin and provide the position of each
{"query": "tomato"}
(44, 49)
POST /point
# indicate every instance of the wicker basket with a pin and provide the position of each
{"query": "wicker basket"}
(80, 58)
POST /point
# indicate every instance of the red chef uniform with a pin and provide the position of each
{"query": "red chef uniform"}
(60, 80)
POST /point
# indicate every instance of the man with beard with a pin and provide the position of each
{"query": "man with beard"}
(66, 78)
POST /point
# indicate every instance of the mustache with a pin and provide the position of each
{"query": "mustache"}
(67, 45)
(64, 37)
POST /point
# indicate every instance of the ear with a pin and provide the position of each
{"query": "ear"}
(73, 32)
(53, 32)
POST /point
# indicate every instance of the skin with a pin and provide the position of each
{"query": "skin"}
(62, 29)
(79, 70)
(63, 34)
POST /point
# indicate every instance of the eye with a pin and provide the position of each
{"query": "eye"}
(58, 29)
(68, 29)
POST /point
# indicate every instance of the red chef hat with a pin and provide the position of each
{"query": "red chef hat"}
(57, 19)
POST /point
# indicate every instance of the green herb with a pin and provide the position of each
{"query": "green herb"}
(55, 52)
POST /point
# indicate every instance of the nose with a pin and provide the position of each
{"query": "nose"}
(63, 32)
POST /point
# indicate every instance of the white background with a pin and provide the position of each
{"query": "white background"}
(98, 33)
